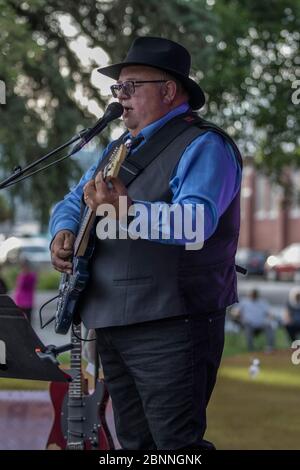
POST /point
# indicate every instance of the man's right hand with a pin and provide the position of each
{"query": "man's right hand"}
(62, 251)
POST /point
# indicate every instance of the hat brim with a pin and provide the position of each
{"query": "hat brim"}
(196, 94)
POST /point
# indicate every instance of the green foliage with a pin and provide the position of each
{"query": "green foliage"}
(48, 280)
(39, 114)
(5, 210)
(9, 274)
(258, 63)
(245, 55)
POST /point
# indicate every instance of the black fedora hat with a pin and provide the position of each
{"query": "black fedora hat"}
(165, 55)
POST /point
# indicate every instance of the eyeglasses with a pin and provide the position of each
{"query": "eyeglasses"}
(128, 88)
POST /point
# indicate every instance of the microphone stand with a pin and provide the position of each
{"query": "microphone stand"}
(113, 111)
(19, 171)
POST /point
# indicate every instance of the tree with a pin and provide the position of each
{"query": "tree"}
(5, 210)
(43, 73)
(260, 50)
(245, 55)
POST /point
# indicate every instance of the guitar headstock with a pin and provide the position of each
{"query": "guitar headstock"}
(114, 164)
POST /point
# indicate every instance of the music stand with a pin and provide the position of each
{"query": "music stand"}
(18, 344)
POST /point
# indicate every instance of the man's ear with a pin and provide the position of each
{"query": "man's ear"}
(169, 92)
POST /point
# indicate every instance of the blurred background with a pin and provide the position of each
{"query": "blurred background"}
(246, 57)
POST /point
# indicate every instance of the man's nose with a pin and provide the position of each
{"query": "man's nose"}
(122, 95)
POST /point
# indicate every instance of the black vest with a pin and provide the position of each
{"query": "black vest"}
(133, 281)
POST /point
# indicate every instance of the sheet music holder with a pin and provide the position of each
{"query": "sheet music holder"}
(18, 344)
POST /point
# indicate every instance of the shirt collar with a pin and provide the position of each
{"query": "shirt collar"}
(149, 130)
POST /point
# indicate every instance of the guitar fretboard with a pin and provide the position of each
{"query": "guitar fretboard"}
(75, 387)
(111, 169)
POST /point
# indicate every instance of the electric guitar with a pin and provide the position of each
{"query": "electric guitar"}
(72, 285)
(79, 421)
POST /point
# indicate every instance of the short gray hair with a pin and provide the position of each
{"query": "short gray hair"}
(179, 85)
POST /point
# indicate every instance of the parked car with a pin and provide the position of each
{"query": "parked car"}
(34, 249)
(285, 265)
(252, 260)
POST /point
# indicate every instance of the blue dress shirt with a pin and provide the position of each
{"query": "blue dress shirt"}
(207, 173)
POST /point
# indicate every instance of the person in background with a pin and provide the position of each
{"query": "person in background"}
(292, 314)
(255, 316)
(25, 287)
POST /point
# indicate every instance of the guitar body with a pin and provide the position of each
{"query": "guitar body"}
(96, 432)
(70, 288)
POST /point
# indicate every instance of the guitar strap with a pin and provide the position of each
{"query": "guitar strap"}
(135, 163)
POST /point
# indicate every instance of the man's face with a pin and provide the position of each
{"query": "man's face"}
(146, 104)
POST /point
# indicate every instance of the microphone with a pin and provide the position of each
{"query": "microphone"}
(113, 111)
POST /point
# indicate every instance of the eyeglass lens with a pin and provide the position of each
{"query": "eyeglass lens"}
(126, 87)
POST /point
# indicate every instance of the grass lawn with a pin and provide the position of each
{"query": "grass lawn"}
(260, 412)
(235, 343)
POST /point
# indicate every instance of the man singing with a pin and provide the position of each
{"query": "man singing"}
(158, 308)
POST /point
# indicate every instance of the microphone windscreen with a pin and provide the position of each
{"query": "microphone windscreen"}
(113, 111)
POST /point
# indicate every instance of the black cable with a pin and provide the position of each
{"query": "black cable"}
(40, 313)
(81, 339)
(42, 326)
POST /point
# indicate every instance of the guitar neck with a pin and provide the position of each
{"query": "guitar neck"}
(111, 169)
(75, 439)
(76, 386)
(83, 236)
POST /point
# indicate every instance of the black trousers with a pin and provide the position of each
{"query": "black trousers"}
(160, 376)
(293, 331)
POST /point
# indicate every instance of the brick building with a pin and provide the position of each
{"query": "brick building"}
(265, 223)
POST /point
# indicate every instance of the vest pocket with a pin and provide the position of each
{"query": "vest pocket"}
(133, 281)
